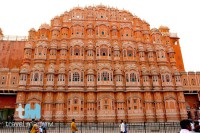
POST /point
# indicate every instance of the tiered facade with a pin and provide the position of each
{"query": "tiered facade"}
(100, 64)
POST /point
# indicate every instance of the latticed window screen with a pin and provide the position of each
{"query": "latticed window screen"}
(105, 76)
(76, 76)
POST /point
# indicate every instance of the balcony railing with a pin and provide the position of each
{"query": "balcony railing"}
(142, 127)
(14, 38)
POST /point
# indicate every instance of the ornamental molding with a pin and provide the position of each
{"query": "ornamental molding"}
(105, 96)
(28, 45)
(159, 47)
(51, 68)
(36, 96)
(124, 25)
(154, 70)
(41, 43)
(76, 42)
(73, 66)
(76, 96)
(62, 68)
(128, 44)
(101, 66)
(77, 23)
(53, 45)
(102, 23)
(130, 67)
(60, 97)
(164, 69)
(145, 70)
(102, 42)
(38, 67)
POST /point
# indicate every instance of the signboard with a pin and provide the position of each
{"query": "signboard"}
(28, 112)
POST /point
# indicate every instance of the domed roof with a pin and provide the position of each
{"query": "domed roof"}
(154, 30)
(45, 26)
(164, 27)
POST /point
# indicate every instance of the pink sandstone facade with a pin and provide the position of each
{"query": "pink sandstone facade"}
(99, 64)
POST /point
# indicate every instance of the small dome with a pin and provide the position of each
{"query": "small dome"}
(163, 27)
(44, 26)
(154, 30)
(57, 17)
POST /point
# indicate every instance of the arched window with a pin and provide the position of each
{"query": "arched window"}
(167, 78)
(124, 52)
(90, 53)
(105, 76)
(90, 78)
(162, 54)
(103, 52)
(184, 82)
(193, 82)
(133, 77)
(40, 50)
(76, 77)
(50, 77)
(61, 77)
(77, 51)
(23, 77)
(36, 77)
(129, 52)
(177, 78)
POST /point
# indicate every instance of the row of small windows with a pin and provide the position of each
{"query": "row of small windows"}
(104, 76)
(80, 32)
(101, 52)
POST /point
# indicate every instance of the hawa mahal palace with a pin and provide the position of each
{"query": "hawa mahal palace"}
(97, 64)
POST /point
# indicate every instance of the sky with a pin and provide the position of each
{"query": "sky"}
(17, 17)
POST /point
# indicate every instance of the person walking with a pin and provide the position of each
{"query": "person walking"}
(35, 128)
(126, 126)
(31, 125)
(122, 127)
(44, 127)
(73, 126)
(185, 126)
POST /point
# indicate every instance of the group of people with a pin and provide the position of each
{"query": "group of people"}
(188, 126)
(37, 127)
(123, 127)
